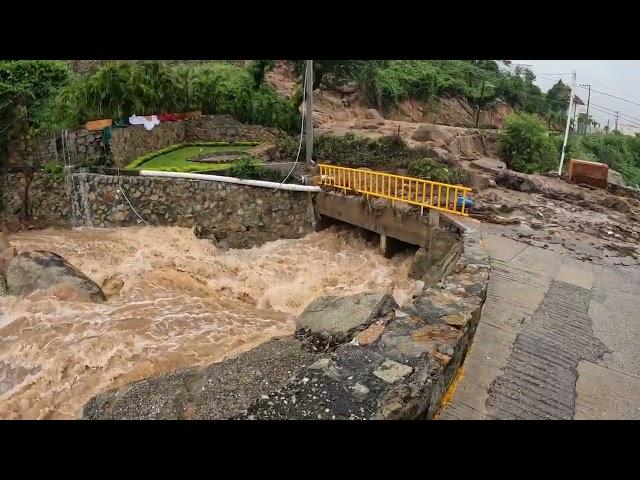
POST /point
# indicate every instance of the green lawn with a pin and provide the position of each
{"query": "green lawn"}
(176, 160)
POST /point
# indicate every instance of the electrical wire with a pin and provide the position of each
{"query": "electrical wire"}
(120, 189)
(612, 96)
(304, 96)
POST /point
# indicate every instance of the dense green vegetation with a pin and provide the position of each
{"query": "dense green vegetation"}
(384, 83)
(251, 168)
(384, 153)
(46, 96)
(26, 87)
(118, 89)
(527, 144)
(176, 158)
(620, 152)
(388, 153)
(529, 148)
(430, 169)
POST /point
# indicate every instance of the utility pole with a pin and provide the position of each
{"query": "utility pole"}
(478, 113)
(309, 112)
(616, 129)
(566, 129)
(588, 101)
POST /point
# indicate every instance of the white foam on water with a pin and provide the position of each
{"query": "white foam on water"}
(173, 301)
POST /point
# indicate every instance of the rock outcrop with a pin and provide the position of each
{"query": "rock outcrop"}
(30, 271)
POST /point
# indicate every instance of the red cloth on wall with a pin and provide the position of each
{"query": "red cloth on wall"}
(169, 117)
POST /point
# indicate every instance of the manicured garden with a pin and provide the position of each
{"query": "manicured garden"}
(177, 157)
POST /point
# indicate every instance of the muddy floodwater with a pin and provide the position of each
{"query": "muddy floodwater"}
(173, 301)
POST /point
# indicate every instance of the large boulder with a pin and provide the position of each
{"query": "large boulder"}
(434, 133)
(339, 318)
(30, 271)
(518, 181)
(615, 178)
(373, 114)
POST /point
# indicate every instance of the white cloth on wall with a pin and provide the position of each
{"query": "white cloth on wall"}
(148, 122)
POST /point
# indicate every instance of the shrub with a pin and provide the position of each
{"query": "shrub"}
(118, 89)
(526, 144)
(430, 169)
(25, 90)
(285, 148)
(250, 168)
(53, 170)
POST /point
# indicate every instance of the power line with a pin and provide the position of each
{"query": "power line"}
(613, 96)
(617, 90)
(617, 111)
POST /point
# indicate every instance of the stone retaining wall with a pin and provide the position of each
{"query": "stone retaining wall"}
(239, 215)
(132, 142)
(41, 198)
(236, 215)
(64, 147)
(85, 147)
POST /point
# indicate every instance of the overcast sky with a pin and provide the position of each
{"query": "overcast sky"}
(616, 77)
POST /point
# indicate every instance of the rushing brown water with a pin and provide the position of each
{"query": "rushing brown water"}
(173, 301)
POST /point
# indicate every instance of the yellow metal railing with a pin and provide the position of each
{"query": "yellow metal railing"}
(397, 188)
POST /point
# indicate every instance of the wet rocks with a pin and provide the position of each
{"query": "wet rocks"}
(337, 318)
(445, 349)
(517, 181)
(30, 271)
(219, 391)
(391, 371)
(430, 265)
(370, 335)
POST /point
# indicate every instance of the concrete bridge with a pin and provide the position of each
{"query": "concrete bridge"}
(383, 203)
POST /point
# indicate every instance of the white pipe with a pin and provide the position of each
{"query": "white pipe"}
(239, 181)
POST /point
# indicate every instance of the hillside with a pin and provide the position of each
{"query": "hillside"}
(346, 107)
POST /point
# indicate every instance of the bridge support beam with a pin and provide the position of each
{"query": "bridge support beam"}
(384, 245)
(434, 224)
(434, 218)
(377, 216)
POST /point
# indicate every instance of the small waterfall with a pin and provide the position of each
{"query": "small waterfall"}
(80, 208)
(76, 184)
